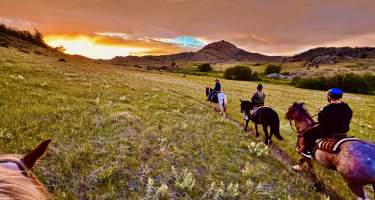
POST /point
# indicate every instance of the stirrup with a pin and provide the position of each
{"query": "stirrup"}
(307, 155)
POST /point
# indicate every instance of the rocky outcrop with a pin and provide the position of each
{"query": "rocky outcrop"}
(340, 52)
(326, 59)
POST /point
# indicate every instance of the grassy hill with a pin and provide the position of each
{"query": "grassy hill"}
(128, 134)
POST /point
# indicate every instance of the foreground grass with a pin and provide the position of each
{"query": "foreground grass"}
(280, 97)
(124, 134)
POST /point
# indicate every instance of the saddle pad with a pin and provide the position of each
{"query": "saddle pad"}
(332, 144)
(254, 110)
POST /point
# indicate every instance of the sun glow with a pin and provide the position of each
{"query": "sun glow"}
(88, 46)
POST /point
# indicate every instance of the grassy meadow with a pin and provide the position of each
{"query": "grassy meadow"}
(122, 133)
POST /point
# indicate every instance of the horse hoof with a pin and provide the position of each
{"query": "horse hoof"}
(317, 187)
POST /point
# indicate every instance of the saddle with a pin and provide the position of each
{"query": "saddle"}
(332, 144)
(253, 112)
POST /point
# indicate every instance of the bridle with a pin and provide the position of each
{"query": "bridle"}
(301, 133)
(18, 162)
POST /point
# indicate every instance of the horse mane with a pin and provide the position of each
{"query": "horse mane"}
(15, 185)
(303, 110)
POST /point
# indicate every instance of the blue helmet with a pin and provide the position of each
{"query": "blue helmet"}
(335, 93)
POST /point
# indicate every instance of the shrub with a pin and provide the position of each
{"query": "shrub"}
(62, 60)
(348, 82)
(270, 69)
(206, 67)
(36, 38)
(243, 73)
(255, 76)
(38, 52)
(24, 50)
(4, 44)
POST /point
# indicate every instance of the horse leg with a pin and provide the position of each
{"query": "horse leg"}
(268, 138)
(247, 123)
(357, 190)
(256, 130)
(314, 177)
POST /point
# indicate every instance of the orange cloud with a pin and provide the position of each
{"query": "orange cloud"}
(109, 47)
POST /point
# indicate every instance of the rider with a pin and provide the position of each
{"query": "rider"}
(259, 96)
(216, 90)
(333, 121)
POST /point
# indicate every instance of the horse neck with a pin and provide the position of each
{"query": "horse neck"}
(302, 122)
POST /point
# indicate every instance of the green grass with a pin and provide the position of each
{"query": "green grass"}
(128, 134)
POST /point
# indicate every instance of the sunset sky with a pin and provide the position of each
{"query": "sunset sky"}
(107, 28)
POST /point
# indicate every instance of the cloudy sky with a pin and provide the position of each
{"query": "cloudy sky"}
(106, 28)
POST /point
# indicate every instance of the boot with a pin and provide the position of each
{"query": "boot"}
(302, 148)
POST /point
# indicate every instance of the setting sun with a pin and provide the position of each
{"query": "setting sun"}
(90, 47)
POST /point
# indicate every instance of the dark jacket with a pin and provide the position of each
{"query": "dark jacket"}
(335, 118)
(258, 99)
(217, 87)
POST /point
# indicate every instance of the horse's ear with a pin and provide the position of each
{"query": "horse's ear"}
(295, 103)
(30, 159)
(240, 100)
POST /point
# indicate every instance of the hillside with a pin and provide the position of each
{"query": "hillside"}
(221, 51)
(341, 52)
(125, 134)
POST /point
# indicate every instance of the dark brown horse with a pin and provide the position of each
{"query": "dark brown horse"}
(265, 116)
(355, 160)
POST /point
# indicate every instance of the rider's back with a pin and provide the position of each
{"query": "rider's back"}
(258, 98)
(335, 118)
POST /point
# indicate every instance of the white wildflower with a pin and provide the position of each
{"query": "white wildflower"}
(122, 98)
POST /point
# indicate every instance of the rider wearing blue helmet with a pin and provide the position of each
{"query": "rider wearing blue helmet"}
(333, 121)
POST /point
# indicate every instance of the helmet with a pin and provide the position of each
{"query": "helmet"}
(335, 93)
(260, 86)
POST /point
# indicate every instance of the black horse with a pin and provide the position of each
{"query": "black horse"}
(265, 116)
(214, 97)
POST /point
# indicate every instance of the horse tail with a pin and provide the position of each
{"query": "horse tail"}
(275, 128)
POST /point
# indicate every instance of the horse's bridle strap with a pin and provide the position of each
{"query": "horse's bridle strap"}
(23, 169)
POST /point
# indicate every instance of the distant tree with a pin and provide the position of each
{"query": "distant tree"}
(206, 67)
(36, 38)
(243, 73)
(270, 69)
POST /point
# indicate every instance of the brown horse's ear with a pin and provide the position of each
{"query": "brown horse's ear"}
(240, 100)
(30, 159)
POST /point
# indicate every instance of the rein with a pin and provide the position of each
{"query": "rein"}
(300, 133)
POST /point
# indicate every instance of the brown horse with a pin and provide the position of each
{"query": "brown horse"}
(16, 179)
(355, 160)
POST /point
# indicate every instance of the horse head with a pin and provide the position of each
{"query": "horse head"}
(246, 106)
(295, 110)
(19, 181)
(208, 90)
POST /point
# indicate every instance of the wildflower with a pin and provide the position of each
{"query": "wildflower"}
(123, 98)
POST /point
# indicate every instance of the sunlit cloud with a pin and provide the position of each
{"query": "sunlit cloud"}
(109, 45)
(114, 35)
(186, 41)
(23, 24)
(89, 47)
